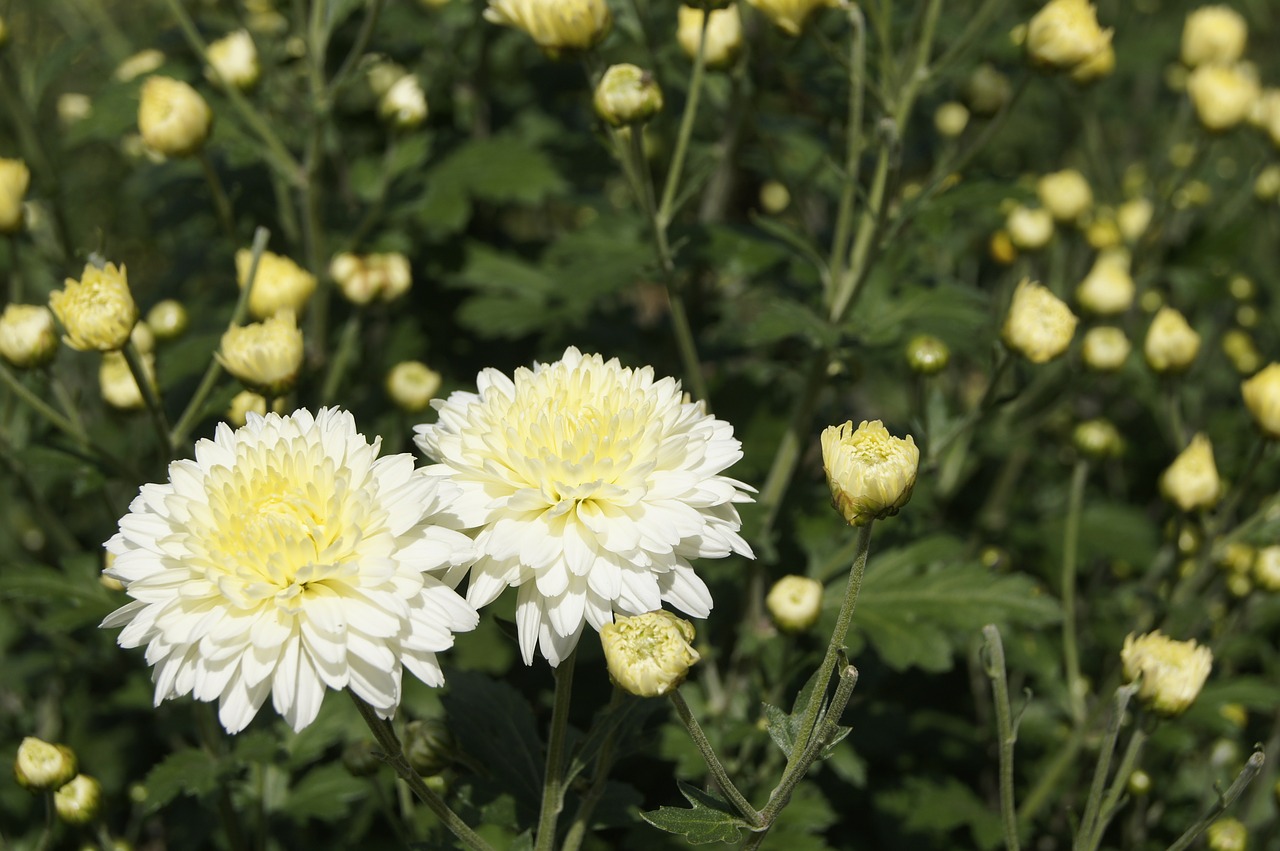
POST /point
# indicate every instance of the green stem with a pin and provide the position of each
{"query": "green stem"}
(854, 144)
(358, 46)
(713, 762)
(1089, 820)
(1070, 550)
(1251, 769)
(221, 204)
(665, 209)
(787, 455)
(604, 761)
(215, 745)
(393, 755)
(38, 405)
(348, 343)
(552, 791)
(1118, 784)
(1006, 730)
(1049, 778)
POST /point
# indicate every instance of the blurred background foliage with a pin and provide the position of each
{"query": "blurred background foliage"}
(524, 237)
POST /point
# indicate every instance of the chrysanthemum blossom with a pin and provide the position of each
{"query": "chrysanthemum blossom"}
(285, 559)
(590, 486)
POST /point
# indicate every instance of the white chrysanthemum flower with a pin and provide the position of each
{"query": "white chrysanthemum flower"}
(590, 486)
(287, 558)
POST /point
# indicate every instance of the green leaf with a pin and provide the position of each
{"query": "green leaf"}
(710, 819)
(938, 807)
(189, 771)
(325, 793)
(782, 728)
(493, 724)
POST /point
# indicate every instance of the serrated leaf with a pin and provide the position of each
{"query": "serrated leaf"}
(189, 771)
(782, 728)
(710, 819)
(499, 169)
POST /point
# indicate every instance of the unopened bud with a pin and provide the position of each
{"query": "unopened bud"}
(27, 335)
(1172, 672)
(648, 655)
(1191, 482)
(77, 802)
(412, 385)
(43, 767)
(1097, 438)
(927, 355)
(870, 472)
(795, 602)
(1171, 344)
(627, 95)
(167, 319)
(1039, 325)
(428, 746)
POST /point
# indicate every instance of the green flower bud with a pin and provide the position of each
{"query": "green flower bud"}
(927, 355)
(43, 767)
(168, 319)
(360, 758)
(627, 95)
(1097, 438)
(428, 745)
(77, 802)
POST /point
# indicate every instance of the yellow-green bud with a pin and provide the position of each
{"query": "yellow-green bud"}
(233, 60)
(1039, 325)
(244, 403)
(167, 319)
(428, 746)
(1262, 398)
(27, 336)
(1002, 249)
(412, 385)
(1095, 68)
(42, 766)
(1266, 568)
(404, 105)
(927, 355)
(1191, 482)
(1223, 95)
(627, 95)
(1105, 348)
(97, 311)
(555, 25)
(950, 119)
(1172, 672)
(1133, 217)
(774, 197)
(1030, 228)
(280, 284)
(648, 655)
(1227, 834)
(790, 15)
(1065, 194)
(1213, 35)
(1235, 714)
(15, 178)
(1065, 34)
(119, 388)
(1171, 344)
(266, 355)
(1108, 289)
(1139, 783)
(139, 64)
(1266, 186)
(724, 35)
(987, 90)
(795, 602)
(77, 801)
(1097, 438)
(870, 472)
(172, 117)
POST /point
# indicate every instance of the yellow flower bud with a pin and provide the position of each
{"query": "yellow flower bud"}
(27, 336)
(77, 801)
(1236, 557)
(72, 108)
(1065, 34)
(1173, 672)
(1039, 325)
(1096, 67)
(1102, 233)
(1030, 228)
(724, 35)
(173, 118)
(412, 385)
(1191, 482)
(1213, 35)
(1171, 344)
(1262, 398)
(555, 25)
(1227, 834)
(951, 118)
(119, 388)
(790, 15)
(1065, 194)
(139, 64)
(1001, 248)
(14, 180)
(267, 355)
(795, 602)
(927, 355)
(42, 766)
(987, 90)
(1097, 438)
(870, 472)
(774, 195)
(280, 284)
(1223, 95)
(1133, 217)
(97, 311)
(1266, 186)
(1266, 568)
(234, 60)
(648, 655)
(362, 278)
(1105, 348)
(244, 403)
(1241, 351)
(1139, 782)
(167, 319)
(404, 104)
(627, 95)
(1108, 289)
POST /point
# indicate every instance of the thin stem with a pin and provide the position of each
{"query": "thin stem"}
(149, 395)
(1006, 730)
(393, 755)
(713, 762)
(854, 143)
(38, 405)
(1094, 803)
(348, 342)
(552, 788)
(1070, 549)
(604, 761)
(221, 204)
(214, 744)
(1251, 769)
(665, 209)
(1118, 784)
(358, 46)
(787, 455)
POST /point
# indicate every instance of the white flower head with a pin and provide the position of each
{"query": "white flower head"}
(590, 486)
(287, 558)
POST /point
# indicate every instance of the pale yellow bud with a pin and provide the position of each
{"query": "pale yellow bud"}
(951, 118)
(1108, 289)
(97, 311)
(555, 25)
(927, 355)
(1039, 325)
(1266, 568)
(27, 336)
(280, 284)
(1223, 95)
(1227, 834)
(1105, 348)
(1102, 233)
(790, 15)
(14, 180)
(987, 90)
(1065, 194)
(648, 655)
(1133, 217)
(72, 108)
(795, 602)
(234, 60)
(405, 104)
(774, 195)
(382, 75)
(119, 388)
(77, 801)
(1266, 186)
(1171, 344)
(626, 95)
(870, 472)
(1001, 248)
(1262, 398)
(1173, 672)
(1097, 438)
(267, 355)
(1096, 67)
(1213, 35)
(394, 274)
(139, 64)
(724, 35)
(43, 767)
(1191, 482)
(1065, 34)
(412, 385)
(244, 403)
(167, 319)
(1139, 782)
(1240, 349)
(1030, 228)
(173, 118)
(364, 278)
